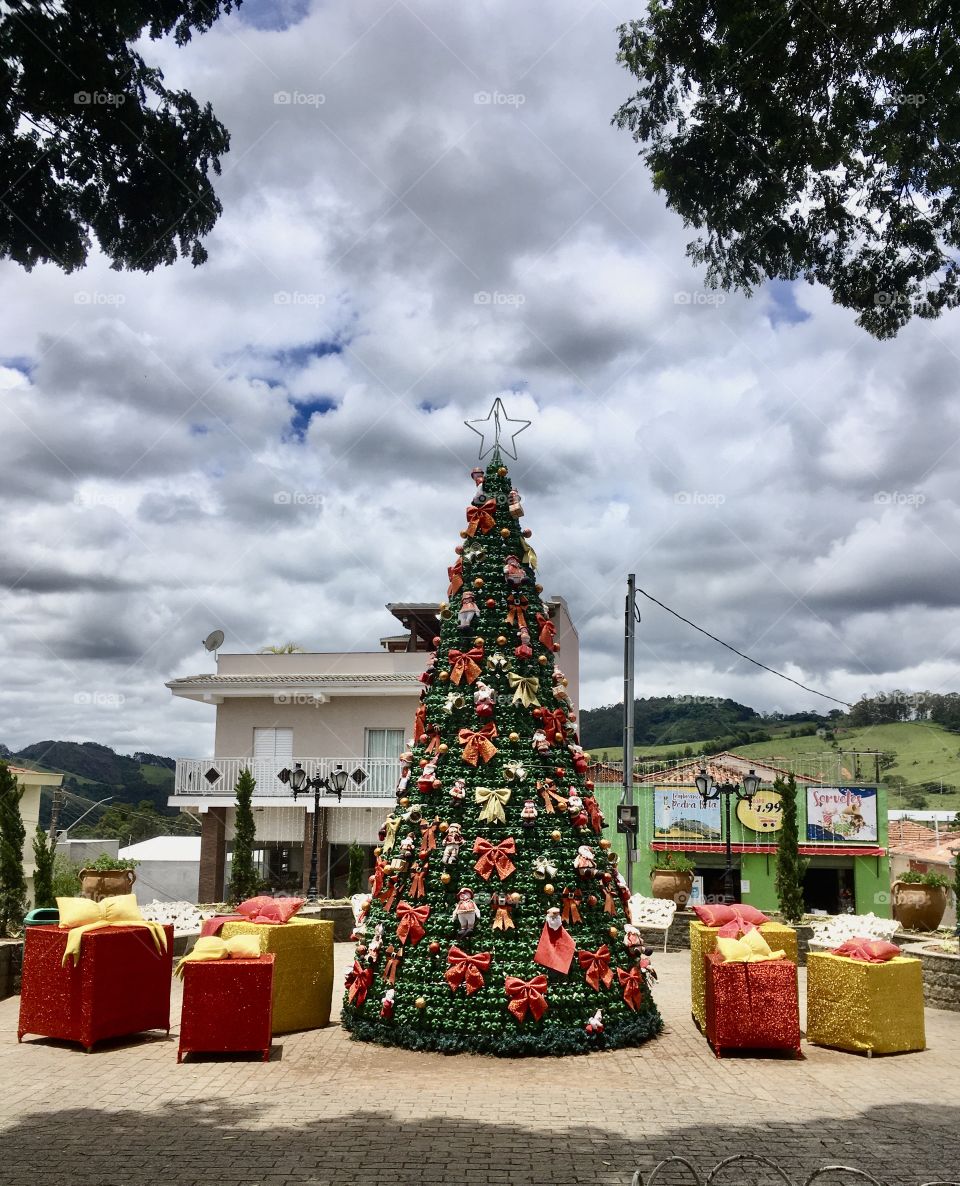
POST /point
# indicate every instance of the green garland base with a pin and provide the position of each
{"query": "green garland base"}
(508, 1043)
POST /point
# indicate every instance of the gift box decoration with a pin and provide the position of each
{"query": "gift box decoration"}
(227, 1005)
(752, 1006)
(703, 940)
(119, 985)
(302, 971)
(872, 1008)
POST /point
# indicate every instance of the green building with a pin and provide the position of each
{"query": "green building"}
(843, 835)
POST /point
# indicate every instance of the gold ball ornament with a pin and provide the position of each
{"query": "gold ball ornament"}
(404, 802)
(501, 640)
(502, 471)
(613, 932)
(443, 748)
(478, 641)
(562, 806)
(505, 532)
(443, 676)
(423, 762)
(549, 890)
(478, 582)
(539, 588)
(377, 852)
(514, 736)
(516, 899)
(444, 826)
(444, 605)
(444, 878)
(542, 660)
(463, 535)
(604, 843)
(556, 835)
(421, 1002)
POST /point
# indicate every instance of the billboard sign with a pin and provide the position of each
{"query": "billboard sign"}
(844, 814)
(680, 814)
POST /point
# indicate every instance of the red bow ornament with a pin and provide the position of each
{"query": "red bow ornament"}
(516, 607)
(632, 987)
(477, 744)
(526, 996)
(494, 858)
(547, 632)
(550, 795)
(464, 665)
(466, 969)
(359, 980)
(596, 967)
(481, 518)
(553, 722)
(410, 922)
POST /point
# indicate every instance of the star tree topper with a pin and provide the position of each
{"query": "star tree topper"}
(494, 430)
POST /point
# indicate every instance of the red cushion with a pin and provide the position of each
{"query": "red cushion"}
(713, 916)
(874, 951)
(270, 910)
(748, 914)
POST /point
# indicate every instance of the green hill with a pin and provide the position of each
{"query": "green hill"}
(661, 720)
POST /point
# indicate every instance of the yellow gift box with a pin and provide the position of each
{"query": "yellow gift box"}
(703, 940)
(302, 969)
(868, 1008)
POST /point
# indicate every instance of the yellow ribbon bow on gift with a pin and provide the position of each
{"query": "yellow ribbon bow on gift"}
(212, 947)
(493, 802)
(751, 948)
(80, 915)
(525, 688)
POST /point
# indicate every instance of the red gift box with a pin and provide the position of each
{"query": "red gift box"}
(121, 984)
(227, 1005)
(752, 1006)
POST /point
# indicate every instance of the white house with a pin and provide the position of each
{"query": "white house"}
(352, 709)
(32, 783)
(168, 868)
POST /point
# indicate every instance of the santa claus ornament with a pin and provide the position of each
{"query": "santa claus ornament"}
(556, 948)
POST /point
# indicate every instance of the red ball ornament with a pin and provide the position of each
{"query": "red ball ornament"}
(423, 762)
(527, 533)
(423, 739)
(437, 784)
(361, 949)
(436, 640)
(558, 770)
(459, 549)
(434, 948)
(592, 900)
(490, 602)
(538, 713)
(606, 878)
(589, 785)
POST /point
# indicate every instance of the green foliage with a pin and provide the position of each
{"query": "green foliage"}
(97, 144)
(790, 869)
(13, 884)
(518, 764)
(934, 880)
(356, 858)
(43, 859)
(66, 878)
(95, 771)
(678, 862)
(808, 142)
(244, 878)
(104, 862)
(660, 720)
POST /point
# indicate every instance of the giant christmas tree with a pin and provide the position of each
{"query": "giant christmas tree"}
(497, 917)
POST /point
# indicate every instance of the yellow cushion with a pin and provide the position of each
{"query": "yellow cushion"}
(243, 947)
(210, 947)
(751, 949)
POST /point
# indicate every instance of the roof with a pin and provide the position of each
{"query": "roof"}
(164, 848)
(720, 767)
(43, 778)
(907, 833)
(287, 681)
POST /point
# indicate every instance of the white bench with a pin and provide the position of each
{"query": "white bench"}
(830, 932)
(652, 914)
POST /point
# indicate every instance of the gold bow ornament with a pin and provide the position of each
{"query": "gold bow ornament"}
(80, 915)
(493, 803)
(525, 689)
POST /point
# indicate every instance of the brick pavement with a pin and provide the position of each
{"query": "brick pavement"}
(326, 1110)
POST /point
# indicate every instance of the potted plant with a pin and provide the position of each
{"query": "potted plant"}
(107, 876)
(919, 900)
(672, 877)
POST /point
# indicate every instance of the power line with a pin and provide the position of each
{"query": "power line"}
(755, 662)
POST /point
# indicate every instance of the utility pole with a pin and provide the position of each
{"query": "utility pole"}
(630, 621)
(55, 814)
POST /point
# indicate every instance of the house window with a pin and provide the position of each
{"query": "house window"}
(384, 743)
(271, 744)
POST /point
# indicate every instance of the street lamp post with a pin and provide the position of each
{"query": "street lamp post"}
(710, 791)
(300, 784)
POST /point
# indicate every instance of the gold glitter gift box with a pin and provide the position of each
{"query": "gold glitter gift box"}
(703, 940)
(302, 970)
(867, 1008)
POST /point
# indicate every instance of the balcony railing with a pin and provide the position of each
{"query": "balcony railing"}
(370, 778)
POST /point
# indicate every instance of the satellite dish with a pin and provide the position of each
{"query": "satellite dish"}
(213, 641)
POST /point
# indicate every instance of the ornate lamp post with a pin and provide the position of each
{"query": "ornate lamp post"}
(300, 784)
(711, 791)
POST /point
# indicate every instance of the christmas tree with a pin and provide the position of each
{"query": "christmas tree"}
(496, 921)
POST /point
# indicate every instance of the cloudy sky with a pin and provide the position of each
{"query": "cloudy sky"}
(424, 205)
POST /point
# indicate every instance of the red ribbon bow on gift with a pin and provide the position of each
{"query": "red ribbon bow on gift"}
(410, 924)
(596, 966)
(554, 721)
(516, 606)
(547, 631)
(466, 969)
(477, 744)
(359, 980)
(632, 987)
(494, 858)
(455, 573)
(526, 995)
(481, 517)
(570, 911)
(464, 665)
(550, 795)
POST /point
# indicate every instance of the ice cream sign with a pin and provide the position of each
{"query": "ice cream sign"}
(763, 814)
(846, 814)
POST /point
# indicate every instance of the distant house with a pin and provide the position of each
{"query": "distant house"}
(168, 868)
(33, 783)
(916, 848)
(353, 709)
